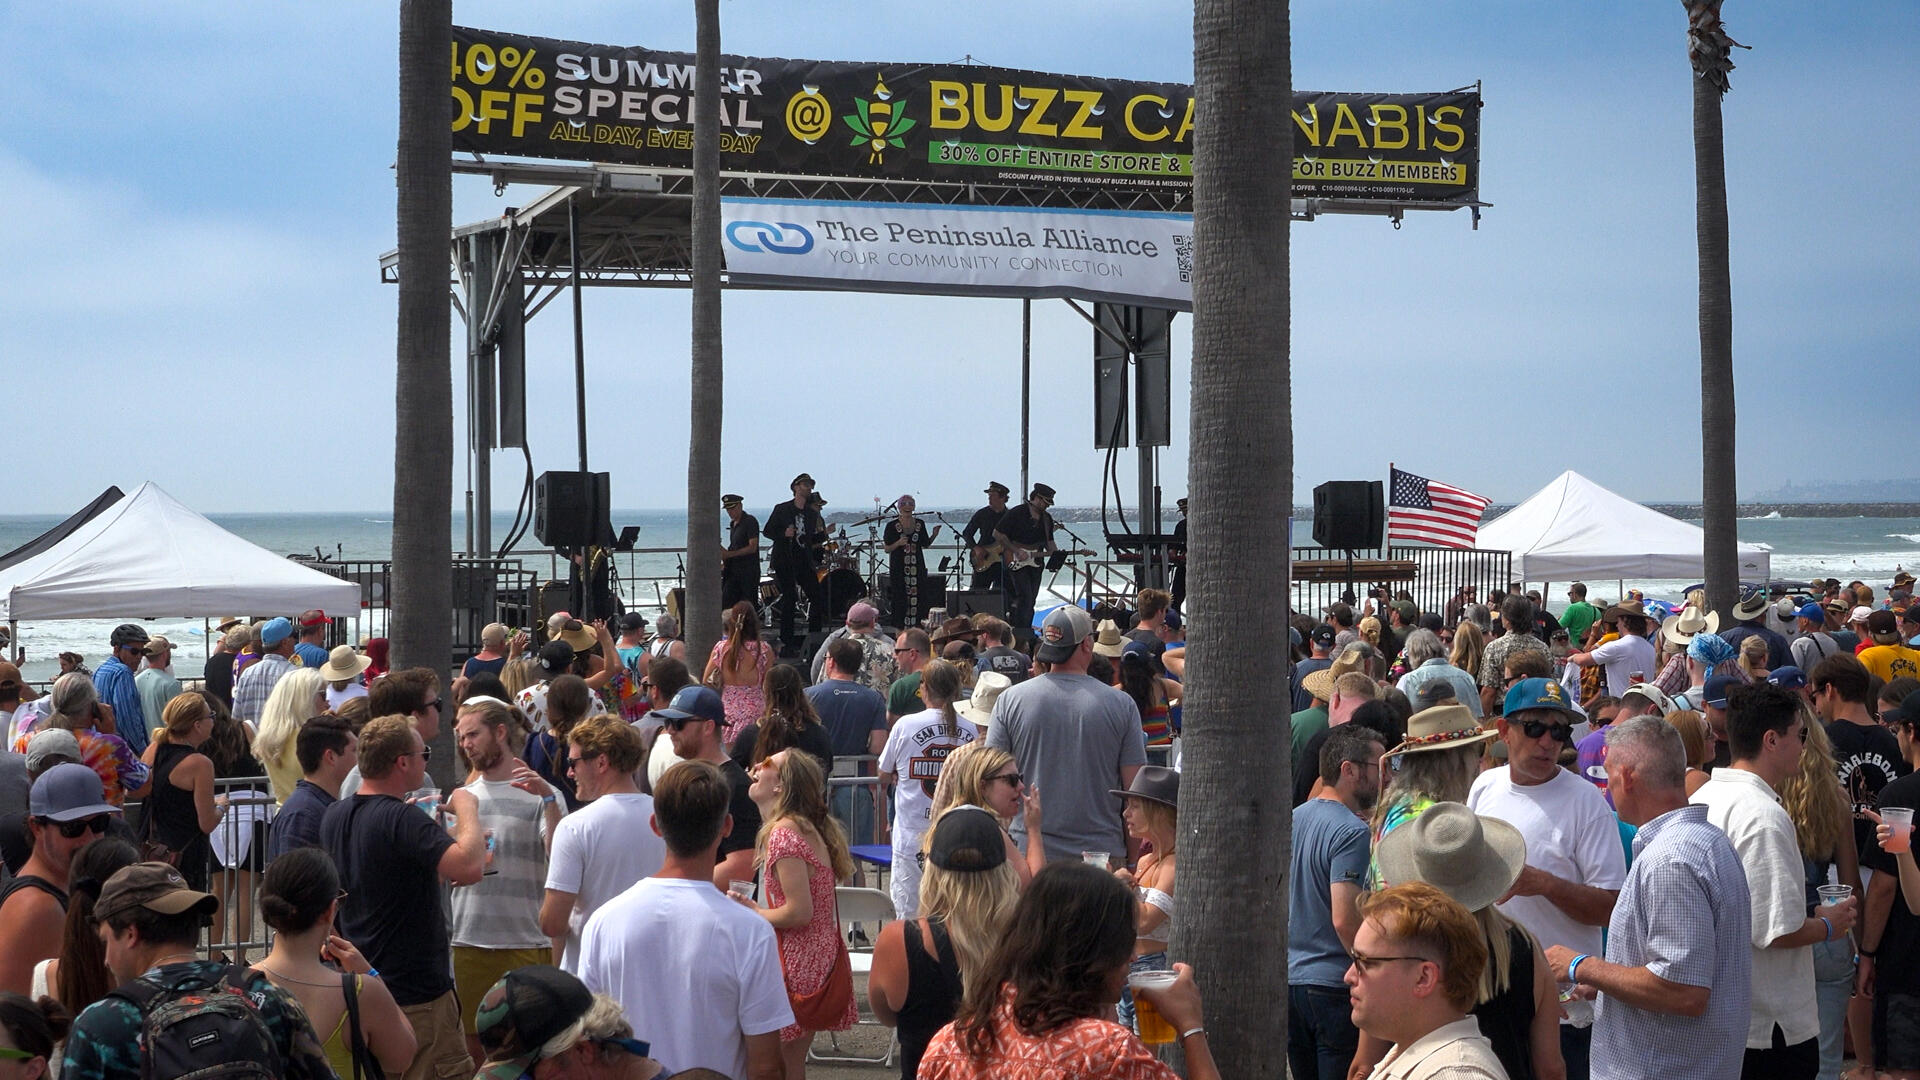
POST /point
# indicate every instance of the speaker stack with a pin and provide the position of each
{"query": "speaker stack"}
(1349, 515)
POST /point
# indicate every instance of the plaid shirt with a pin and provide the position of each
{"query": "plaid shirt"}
(256, 685)
(1683, 915)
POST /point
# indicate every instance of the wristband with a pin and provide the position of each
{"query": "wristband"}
(547, 799)
(1191, 1032)
(1868, 953)
(1829, 925)
(1573, 966)
(373, 972)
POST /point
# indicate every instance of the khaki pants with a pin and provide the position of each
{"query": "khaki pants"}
(442, 1053)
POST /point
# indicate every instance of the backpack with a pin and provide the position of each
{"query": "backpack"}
(195, 1031)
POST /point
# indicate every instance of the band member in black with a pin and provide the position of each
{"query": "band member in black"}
(906, 539)
(794, 528)
(740, 559)
(1025, 535)
(1179, 556)
(981, 546)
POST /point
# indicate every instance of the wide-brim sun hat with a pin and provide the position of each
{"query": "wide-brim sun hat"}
(579, 636)
(1680, 628)
(1109, 641)
(1442, 727)
(986, 690)
(344, 663)
(1474, 860)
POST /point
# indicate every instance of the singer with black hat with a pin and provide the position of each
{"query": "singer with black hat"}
(740, 559)
(981, 544)
(794, 528)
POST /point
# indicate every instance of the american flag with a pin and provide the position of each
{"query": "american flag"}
(1426, 510)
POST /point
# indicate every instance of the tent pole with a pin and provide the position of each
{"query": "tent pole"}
(1026, 386)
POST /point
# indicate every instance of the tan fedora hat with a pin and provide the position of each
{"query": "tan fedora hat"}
(1681, 627)
(1442, 727)
(1352, 658)
(344, 663)
(1472, 859)
(1110, 641)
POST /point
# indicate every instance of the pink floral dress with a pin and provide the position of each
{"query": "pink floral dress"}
(807, 953)
(743, 703)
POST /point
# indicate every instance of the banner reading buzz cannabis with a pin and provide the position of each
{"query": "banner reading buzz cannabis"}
(541, 97)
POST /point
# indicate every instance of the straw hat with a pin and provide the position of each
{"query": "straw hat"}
(1320, 683)
(1442, 727)
(578, 635)
(986, 690)
(1473, 859)
(1680, 628)
(1751, 606)
(344, 663)
(1110, 642)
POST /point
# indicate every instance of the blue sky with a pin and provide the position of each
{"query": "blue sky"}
(198, 196)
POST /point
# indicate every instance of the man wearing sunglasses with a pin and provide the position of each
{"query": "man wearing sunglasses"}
(1575, 863)
(66, 810)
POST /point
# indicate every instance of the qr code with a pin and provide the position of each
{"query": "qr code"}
(1183, 256)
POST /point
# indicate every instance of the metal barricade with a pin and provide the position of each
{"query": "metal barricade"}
(234, 871)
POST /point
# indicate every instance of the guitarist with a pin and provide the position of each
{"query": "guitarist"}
(1025, 535)
(987, 569)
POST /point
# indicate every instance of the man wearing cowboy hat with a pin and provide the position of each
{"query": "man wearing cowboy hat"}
(793, 528)
(979, 538)
(1630, 652)
(1675, 983)
(1320, 687)
(1751, 614)
(1575, 865)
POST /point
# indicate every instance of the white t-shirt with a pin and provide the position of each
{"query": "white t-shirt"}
(599, 851)
(915, 750)
(695, 971)
(1745, 808)
(1623, 656)
(1570, 833)
(337, 698)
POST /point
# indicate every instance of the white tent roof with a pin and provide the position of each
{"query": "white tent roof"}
(148, 555)
(1573, 528)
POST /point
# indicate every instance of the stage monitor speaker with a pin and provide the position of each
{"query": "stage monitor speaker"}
(1349, 514)
(570, 509)
(976, 601)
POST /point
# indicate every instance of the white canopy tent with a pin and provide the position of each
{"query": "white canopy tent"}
(149, 555)
(1573, 529)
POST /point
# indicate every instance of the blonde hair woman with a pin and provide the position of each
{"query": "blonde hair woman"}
(299, 696)
(1469, 645)
(1753, 658)
(1823, 824)
(987, 776)
(1698, 740)
(802, 854)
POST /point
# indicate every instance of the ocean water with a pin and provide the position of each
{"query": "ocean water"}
(1870, 549)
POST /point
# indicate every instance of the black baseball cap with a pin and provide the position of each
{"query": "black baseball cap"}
(524, 1011)
(1323, 635)
(967, 839)
(556, 657)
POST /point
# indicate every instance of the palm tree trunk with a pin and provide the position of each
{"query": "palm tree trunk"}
(703, 450)
(1236, 819)
(421, 631)
(1708, 48)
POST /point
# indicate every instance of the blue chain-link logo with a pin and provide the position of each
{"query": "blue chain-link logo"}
(779, 238)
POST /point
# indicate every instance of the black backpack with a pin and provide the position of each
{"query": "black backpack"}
(193, 1030)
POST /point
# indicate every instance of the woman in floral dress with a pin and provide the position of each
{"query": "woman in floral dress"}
(802, 857)
(738, 669)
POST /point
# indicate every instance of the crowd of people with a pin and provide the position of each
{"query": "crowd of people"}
(1617, 842)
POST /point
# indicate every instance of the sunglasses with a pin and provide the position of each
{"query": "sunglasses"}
(1533, 729)
(425, 752)
(434, 704)
(680, 722)
(10, 1054)
(575, 762)
(97, 825)
(1012, 778)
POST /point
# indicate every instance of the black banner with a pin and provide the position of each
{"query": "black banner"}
(541, 97)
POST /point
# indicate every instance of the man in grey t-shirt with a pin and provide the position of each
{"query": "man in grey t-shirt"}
(1073, 737)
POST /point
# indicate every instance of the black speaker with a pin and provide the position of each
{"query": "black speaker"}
(976, 601)
(570, 509)
(1349, 514)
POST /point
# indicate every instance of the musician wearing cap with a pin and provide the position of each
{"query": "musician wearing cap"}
(740, 559)
(1025, 534)
(982, 545)
(794, 528)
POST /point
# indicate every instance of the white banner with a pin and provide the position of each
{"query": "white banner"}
(1118, 256)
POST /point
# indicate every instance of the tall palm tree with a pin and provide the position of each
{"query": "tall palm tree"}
(1709, 49)
(703, 447)
(1236, 821)
(421, 631)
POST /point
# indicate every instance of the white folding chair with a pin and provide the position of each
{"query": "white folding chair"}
(873, 907)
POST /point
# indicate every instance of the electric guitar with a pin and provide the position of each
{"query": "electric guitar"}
(1019, 558)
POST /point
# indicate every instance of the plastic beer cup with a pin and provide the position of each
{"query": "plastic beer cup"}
(1833, 894)
(741, 889)
(1095, 858)
(1154, 1029)
(1900, 820)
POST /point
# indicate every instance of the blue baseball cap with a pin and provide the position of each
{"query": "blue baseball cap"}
(276, 631)
(1813, 612)
(1539, 694)
(1788, 677)
(1714, 693)
(694, 702)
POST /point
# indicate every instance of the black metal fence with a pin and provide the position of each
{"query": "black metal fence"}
(1433, 575)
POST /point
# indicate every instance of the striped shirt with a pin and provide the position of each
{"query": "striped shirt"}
(1682, 915)
(114, 683)
(502, 910)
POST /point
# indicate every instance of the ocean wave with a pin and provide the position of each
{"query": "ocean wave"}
(1911, 538)
(1771, 515)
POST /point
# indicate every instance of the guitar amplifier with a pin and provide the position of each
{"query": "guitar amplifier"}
(976, 601)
